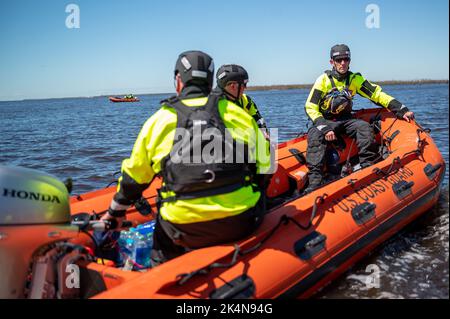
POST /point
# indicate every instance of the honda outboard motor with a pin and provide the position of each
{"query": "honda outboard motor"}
(34, 212)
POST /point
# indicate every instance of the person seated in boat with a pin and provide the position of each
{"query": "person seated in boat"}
(232, 80)
(203, 201)
(329, 106)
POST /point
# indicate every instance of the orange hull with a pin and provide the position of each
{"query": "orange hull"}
(357, 214)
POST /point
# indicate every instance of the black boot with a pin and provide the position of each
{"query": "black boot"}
(315, 181)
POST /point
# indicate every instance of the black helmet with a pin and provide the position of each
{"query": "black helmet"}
(231, 72)
(340, 51)
(195, 67)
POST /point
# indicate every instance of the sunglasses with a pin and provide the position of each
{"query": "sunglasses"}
(339, 60)
(243, 84)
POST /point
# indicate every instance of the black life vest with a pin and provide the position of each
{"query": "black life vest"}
(203, 160)
(336, 103)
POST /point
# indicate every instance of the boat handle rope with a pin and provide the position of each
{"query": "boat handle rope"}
(284, 220)
(423, 129)
(418, 151)
(391, 138)
(347, 165)
(388, 129)
(352, 181)
(292, 155)
(379, 171)
(115, 180)
(102, 212)
(420, 142)
(110, 184)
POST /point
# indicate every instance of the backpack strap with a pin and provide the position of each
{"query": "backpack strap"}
(169, 100)
(328, 73)
(348, 79)
(183, 111)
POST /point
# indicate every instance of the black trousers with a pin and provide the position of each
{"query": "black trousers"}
(172, 240)
(355, 128)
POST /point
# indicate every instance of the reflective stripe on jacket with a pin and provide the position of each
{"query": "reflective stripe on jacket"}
(357, 85)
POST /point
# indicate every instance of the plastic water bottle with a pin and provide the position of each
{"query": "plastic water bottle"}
(149, 240)
(136, 244)
(126, 245)
(141, 253)
(145, 243)
(146, 228)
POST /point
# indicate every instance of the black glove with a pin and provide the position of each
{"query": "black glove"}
(397, 108)
(324, 125)
(143, 207)
(399, 114)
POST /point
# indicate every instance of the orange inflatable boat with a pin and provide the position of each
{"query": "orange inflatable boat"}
(120, 99)
(304, 243)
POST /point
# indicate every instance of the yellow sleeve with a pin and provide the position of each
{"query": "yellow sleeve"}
(371, 91)
(144, 162)
(317, 92)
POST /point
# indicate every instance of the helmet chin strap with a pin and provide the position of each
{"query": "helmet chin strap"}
(235, 98)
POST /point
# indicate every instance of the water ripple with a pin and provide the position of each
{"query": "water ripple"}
(88, 138)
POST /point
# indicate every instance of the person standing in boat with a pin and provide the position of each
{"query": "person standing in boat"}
(201, 202)
(329, 106)
(232, 80)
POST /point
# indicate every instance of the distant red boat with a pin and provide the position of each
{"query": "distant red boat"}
(121, 99)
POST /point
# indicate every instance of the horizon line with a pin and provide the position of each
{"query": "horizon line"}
(250, 88)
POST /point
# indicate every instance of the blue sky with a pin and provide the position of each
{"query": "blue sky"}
(131, 46)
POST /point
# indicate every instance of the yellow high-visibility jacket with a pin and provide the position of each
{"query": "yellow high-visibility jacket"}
(155, 142)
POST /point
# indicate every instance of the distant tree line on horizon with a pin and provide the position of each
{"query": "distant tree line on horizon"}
(307, 86)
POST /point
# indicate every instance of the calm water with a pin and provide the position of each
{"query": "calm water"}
(87, 138)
